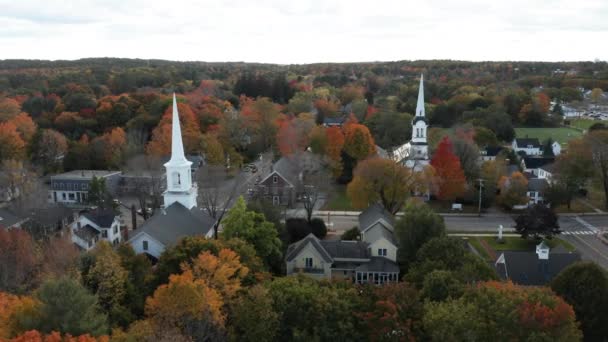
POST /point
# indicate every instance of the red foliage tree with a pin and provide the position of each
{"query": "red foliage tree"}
(451, 181)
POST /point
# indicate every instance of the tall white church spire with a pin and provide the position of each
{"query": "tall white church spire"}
(420, 104)
(177, 146)
(179, 177)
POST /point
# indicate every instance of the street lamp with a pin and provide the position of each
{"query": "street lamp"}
(480, 180)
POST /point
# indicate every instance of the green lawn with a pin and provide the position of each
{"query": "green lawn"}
(519, 244)
(559, 134)
(582, 123)
(477, 245)
(338, 200)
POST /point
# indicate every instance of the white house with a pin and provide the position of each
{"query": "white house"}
(179, 216)
(489, 153)
(94, 226)
(72, 187)
(371, 260)
(530, 146)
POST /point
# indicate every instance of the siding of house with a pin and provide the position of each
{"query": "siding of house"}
(279, 193)
(384, 244)
(321, 269)
(155, 248)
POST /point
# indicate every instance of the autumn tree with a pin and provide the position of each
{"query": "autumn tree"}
(491, 172)
(9, 108)
(358, 141)
(109, 149)
(517, 313)
(293, 135)
(394, 313)
(573, 169)
(25, 126)
(11, 307)
(19, 261)
(597, 143)
(450, 176)
(596, 95)
(585, 286)
(513, 190)
(12, 145)
(384, 181)
(186, 307)
(50, 148)
(22, 184)
(108, 280)
(160, 144)
(334, 147)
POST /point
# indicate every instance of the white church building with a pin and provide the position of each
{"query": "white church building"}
(415, 153)
(180, 216)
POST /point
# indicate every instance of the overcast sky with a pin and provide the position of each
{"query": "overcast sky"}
(299, 31)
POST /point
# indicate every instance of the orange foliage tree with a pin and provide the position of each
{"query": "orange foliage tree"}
(358, 141)
(12, 145)
(25, 126)
(109, 148)
(513, 190)
(36, 336)
(450, 176)
(385, 181)
(160, 145)
(9, 108)
(294, 134)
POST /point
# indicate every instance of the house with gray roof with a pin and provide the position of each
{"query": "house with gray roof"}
(71, 188)
(536, 190)
(371, 260)
(534, 268)
(286, 179)
(342, 260)
(96, 225)
(179, 217)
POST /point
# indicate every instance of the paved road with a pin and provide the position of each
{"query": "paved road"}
(581, 233)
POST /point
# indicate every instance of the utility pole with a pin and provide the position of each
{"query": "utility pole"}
(480, 187)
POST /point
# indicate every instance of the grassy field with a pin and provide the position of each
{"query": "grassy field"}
(582, 123)
(519, 244)
(559, 134)
(338, 200)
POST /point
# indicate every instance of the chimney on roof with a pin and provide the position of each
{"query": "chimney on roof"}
(82, 173)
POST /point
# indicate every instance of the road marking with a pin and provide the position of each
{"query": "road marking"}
(578, 232)
(586, 224)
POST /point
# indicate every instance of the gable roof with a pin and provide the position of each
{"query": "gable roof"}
(524, 268)
(536, 162)
(175, 222)
(373, 235)
(101, 217)
(525, 142)
(87, 233)
(346, 249)
(295, 248)
(50, 215)
(8, 219)
(373, 214)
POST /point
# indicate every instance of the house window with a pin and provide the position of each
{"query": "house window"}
(176, 179)
(63, 196)
(115, 229)
(145, 245)
(71, 196)
(276, 200)
(85, 186)
(275, 179)
(104, 233)
(382, 251)
(308, 262)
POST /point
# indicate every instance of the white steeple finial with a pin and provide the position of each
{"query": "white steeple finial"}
(177, 147)
(420, 104)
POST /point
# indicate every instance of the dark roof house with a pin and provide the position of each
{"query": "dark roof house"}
(534, 268)
(373, 214)
(528, 142)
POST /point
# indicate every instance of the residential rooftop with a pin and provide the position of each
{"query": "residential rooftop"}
(84, 174)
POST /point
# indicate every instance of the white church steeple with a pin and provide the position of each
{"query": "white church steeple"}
(179, 177)
(420, 103)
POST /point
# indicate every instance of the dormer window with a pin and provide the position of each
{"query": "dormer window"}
(275, 179)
